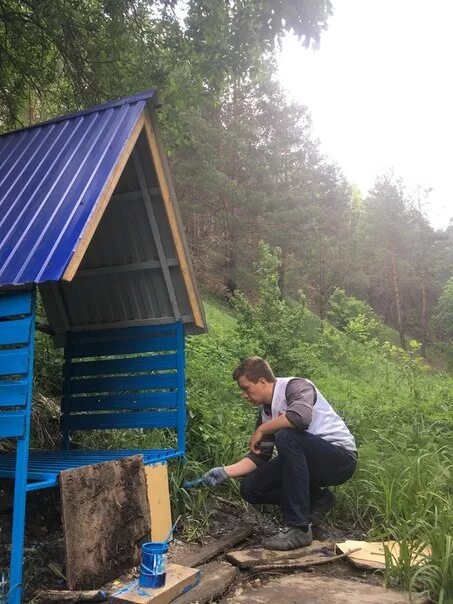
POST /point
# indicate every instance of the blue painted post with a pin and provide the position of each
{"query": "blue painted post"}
(180, 364)
(20, 483)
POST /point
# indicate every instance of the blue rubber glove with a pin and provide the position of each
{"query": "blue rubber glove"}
(215, 477)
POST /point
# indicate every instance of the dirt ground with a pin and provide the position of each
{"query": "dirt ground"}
(44, 546)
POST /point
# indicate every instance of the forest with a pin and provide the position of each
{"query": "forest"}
(351, 289)
(245, 162)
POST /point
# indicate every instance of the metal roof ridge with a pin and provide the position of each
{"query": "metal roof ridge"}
(150, 93)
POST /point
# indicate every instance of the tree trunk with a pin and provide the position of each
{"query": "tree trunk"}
(322, 279)
(396, 291)
(281, 277)
(424, 317)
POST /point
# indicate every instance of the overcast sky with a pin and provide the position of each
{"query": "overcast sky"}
(381, 95)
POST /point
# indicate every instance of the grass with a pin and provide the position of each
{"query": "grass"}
(399, 409)
(401, 413)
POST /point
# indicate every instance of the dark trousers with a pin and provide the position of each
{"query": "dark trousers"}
(304, 464)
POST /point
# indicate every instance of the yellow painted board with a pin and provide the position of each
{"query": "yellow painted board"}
(180, 579)
(371, 553)
(159, 501)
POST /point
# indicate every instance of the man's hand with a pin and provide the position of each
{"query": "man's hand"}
(255, 441)
(215, 477)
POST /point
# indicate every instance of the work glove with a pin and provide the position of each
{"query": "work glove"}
(215, 477)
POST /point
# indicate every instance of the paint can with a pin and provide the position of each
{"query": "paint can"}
(153, 568)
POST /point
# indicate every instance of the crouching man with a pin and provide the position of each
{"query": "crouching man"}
(314, 450)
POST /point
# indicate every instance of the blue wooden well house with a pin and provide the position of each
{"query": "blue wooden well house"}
(88, 215)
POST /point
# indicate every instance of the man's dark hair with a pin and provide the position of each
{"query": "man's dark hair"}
(253, 369)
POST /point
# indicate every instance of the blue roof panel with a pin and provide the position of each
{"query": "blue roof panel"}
(51, 178)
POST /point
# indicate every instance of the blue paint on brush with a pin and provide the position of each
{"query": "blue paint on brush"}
(190, 484)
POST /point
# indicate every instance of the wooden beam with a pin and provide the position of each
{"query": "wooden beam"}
(125, 268)
(156, 234)
(102, 203)
(212, 550)
(132, 323)
(132, 195)
(158, 160)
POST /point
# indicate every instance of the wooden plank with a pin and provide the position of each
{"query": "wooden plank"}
(15, 332)
(148, 400)
(133, 195)
(157, 381)
(160, 321)
(102, 203)
(60, 595)
(248, 558)
(133, 333)
(210, 551)
(371, 555)
(13, 362)
(180, 580)
(215, 579)
(112, 366)
(15, 303)
(105, 519)
(125, 268)
(12, 424)
(159, 501)
(175, 225)
(113, 421)
(125, 346)
(13, 393)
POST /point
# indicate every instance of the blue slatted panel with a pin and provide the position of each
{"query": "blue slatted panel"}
(142, 391)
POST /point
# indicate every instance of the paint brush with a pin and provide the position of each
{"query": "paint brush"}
(190, 484)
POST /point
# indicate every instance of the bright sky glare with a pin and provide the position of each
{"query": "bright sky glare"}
(380, 93)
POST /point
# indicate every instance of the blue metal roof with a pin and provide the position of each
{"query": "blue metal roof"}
(51, 178)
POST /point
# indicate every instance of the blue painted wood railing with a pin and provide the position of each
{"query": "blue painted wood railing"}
(17, 328)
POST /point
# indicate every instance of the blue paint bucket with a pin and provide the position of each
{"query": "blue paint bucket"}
(153, 569)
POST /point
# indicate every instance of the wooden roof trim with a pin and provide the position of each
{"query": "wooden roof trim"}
(93, 222)
(158, 160)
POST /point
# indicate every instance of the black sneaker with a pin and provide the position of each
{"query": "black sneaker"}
(288, 538)
(321, 507)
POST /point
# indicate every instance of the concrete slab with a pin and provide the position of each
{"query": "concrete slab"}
(295, 589)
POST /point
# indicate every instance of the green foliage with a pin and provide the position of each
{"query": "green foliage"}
(443, 314)
(353, 316)
(272, 324)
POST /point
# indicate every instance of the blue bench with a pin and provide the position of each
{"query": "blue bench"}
(131, 378)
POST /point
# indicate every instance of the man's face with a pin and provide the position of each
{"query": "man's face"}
(259, 393)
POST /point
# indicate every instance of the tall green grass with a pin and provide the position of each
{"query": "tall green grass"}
(400, 411)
